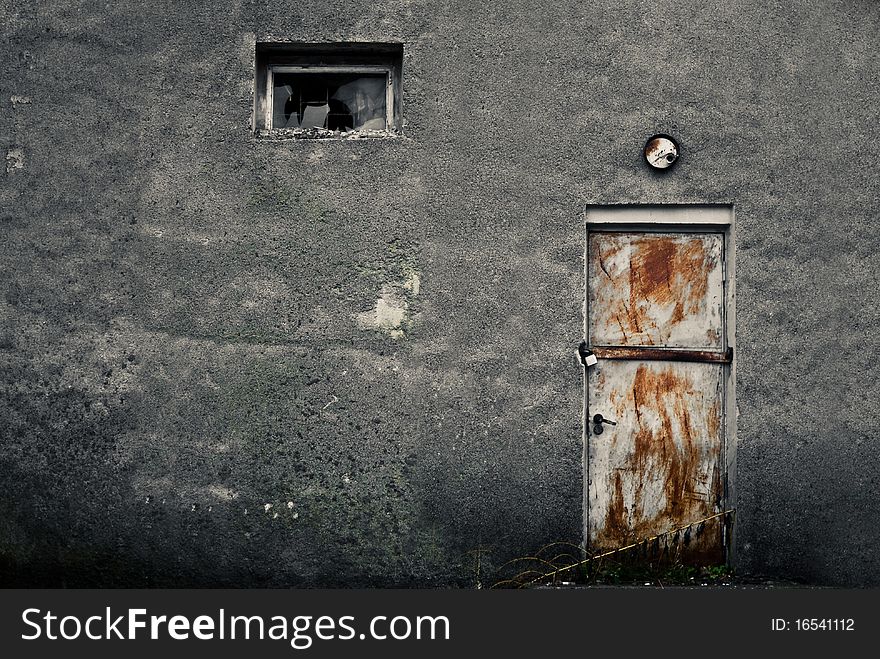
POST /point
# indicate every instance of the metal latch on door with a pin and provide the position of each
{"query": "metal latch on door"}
(587, 357)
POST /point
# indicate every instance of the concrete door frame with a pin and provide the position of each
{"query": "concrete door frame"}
(673, 218)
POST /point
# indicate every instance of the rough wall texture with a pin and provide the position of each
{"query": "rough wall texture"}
(233, 361)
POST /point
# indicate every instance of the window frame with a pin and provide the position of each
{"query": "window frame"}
(273, 56)
(388, 70)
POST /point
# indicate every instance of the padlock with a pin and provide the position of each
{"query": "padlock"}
(586, 355)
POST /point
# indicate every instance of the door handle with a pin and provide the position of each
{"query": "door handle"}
(598, 420)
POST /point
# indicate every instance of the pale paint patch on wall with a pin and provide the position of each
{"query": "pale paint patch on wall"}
(391, 312)
(150, 488)
(413, 282)
(14, 159)
(388, 315)
(221, 491)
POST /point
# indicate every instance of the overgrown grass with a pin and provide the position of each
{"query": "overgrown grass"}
(670, 558)
(535, 571)
(655, 574)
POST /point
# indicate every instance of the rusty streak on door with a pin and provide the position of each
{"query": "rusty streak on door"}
(656, 289)
(661, 466)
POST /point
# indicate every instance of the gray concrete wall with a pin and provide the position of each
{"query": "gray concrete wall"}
(185, 326)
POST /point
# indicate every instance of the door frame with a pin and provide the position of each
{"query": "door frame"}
(683, 218)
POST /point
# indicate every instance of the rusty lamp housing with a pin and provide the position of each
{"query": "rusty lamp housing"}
(661, 151)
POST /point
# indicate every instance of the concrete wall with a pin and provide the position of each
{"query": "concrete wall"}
(187, 326)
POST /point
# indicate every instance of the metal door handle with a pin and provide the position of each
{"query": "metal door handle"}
(598, 420)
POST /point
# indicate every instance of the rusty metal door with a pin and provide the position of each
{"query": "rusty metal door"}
(656, 322)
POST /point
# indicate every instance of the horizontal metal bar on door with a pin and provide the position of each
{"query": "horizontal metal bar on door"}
(663, 354)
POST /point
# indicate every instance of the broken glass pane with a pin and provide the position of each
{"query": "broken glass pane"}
(336, 101)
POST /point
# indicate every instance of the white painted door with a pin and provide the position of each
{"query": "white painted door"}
(656, 321)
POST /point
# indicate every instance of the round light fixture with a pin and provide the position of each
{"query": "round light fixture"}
(661, 151)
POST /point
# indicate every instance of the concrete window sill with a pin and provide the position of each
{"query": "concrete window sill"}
(284, 134)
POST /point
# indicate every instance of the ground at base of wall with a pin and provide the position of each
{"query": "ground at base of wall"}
(769, 585)
(630, 575)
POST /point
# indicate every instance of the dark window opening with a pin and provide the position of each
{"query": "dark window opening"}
(335, 101)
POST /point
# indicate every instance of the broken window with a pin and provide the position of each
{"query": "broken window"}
(336, 101)
(327, 90)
